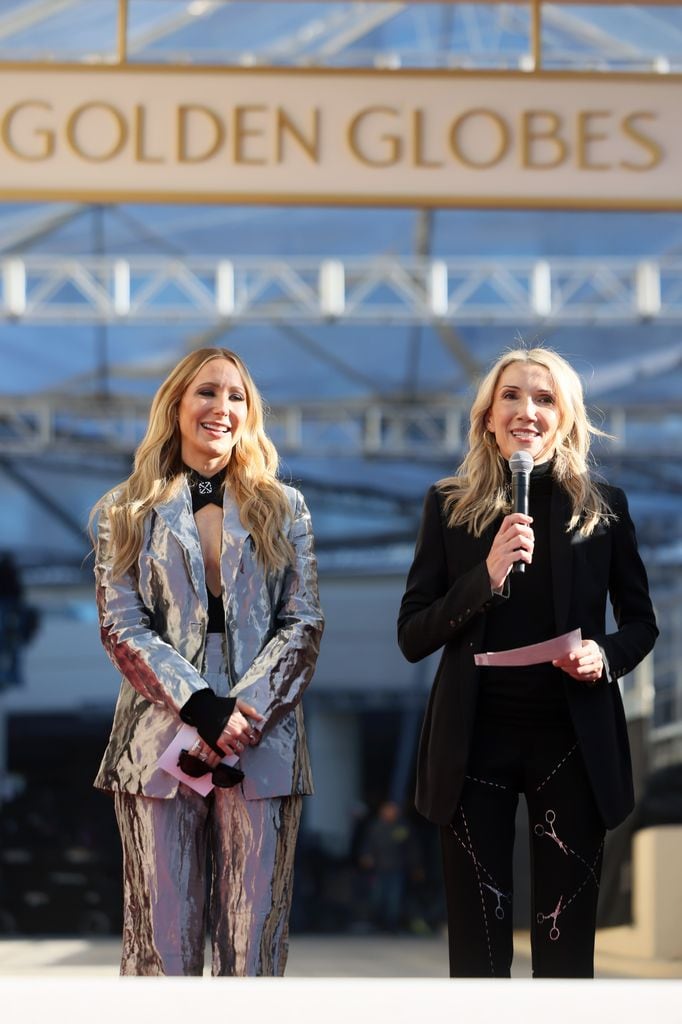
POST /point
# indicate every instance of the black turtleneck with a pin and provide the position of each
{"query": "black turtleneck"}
(209, 491)
(535, 692)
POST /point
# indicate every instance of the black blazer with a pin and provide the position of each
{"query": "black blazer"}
(445, 602)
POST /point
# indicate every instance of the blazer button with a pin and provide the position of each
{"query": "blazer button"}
(453, 623)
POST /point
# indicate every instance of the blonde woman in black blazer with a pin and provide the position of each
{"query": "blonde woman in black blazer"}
(555, 732)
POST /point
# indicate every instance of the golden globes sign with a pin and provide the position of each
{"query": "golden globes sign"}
(324, 136)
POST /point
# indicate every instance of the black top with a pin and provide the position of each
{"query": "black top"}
(535, 692)
(209, 491)
(207, 712)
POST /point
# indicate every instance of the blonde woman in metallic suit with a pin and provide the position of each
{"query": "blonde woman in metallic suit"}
(208, 606)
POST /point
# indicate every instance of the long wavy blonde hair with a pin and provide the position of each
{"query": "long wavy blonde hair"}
(158, 473)
(479, 492)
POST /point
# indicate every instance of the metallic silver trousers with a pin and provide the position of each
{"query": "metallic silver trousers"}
(168, 897)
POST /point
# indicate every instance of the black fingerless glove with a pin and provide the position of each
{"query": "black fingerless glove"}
(209, 714)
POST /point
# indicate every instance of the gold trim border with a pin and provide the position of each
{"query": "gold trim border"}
(548, 74)
(343, 199)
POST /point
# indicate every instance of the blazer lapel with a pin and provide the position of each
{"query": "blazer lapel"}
(234, 538)
(561, 552)
(178, 517)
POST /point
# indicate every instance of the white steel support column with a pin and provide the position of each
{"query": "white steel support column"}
(541, 289)
(122, 288)
(648, 289)
(225, 288)
(332, 285)
(14, 287)
(438, 288)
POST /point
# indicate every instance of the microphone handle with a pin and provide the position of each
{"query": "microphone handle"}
(520, 491)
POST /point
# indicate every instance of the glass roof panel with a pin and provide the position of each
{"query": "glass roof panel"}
(343, 34)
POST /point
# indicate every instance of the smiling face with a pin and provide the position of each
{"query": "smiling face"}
(525, 414)
(211, 416)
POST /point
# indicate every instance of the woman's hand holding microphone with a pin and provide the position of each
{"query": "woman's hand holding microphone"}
(513, 542)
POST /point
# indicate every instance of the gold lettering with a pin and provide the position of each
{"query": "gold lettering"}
(645, 141)
(120, 127)
(310, 145)
(395, 146)
(140, 135)
(243, 132)
(586, 136)
(533, 134)
(183, 154)
(461, 122)
(45, 134)
(418, 157)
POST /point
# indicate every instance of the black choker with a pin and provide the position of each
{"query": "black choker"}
(205, 490)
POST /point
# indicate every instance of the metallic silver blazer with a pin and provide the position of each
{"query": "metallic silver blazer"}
(153, 627)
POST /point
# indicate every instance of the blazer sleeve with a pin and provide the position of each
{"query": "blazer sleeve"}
(629, 594)
(150, 665)
(275, 681)
(434, 610)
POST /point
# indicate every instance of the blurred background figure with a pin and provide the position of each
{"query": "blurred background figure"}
(391, 857)
(18, 622)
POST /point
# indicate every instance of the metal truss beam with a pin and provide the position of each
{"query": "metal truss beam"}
(28, 15)
(20, 231)
(364, 18)
(421, 430)
(170, 23)
(513, 291)
(577, 25)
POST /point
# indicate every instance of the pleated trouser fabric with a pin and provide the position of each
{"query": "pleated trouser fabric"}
(170, 897)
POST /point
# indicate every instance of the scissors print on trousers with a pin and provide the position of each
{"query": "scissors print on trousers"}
(540, 830)
(499, 909)
(553, 931)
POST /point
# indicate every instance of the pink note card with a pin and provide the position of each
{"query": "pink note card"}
(533, 654)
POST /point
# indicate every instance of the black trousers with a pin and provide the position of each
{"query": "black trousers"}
(566, 841)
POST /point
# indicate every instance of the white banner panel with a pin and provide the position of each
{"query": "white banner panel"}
(340, 136)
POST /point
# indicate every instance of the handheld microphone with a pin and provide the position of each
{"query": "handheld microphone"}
(521, 464)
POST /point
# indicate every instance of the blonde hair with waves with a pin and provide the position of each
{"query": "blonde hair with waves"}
(158, 472)
(478, 492)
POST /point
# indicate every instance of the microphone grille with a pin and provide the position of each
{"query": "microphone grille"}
(521, 462)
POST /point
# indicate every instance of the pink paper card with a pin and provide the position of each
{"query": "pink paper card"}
(185, 738)
(533, 654)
